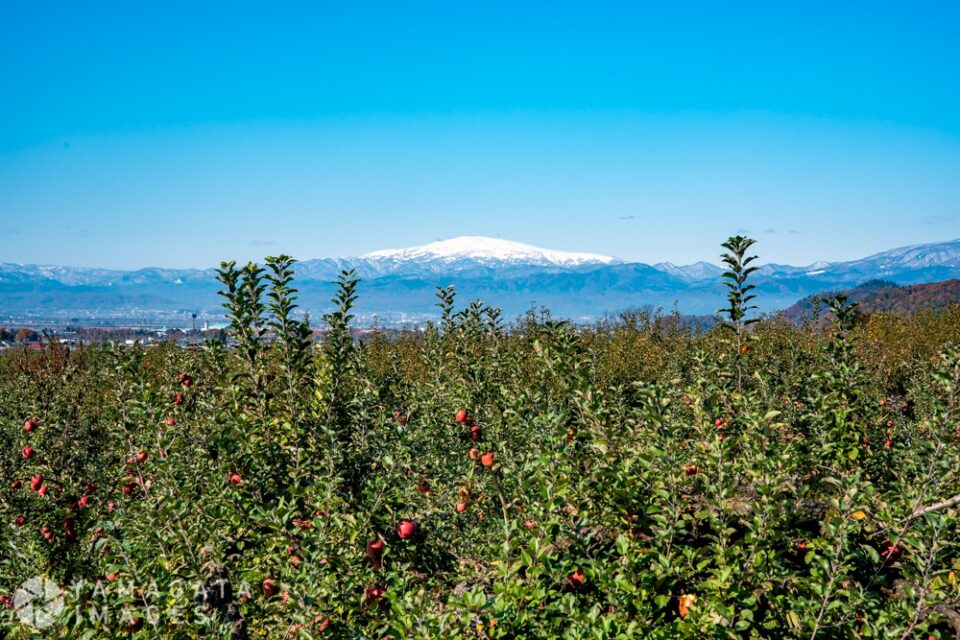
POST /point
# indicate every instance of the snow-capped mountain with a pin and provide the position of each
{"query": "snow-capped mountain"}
(401, 283)
(691, 272)
(917, 256)
(488, 251)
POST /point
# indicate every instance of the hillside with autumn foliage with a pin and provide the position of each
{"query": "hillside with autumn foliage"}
(882, 296)
(478, 479)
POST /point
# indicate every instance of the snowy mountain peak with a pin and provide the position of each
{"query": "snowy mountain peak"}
(945, 254)
(690, 272)
(483, 249)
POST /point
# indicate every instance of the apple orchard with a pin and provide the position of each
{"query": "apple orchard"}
(637, 478)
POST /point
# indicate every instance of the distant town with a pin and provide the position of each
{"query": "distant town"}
(75, 336)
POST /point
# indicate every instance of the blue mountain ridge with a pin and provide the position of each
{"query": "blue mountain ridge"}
(402, 289)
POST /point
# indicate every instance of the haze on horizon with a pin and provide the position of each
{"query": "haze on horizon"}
(179, 135)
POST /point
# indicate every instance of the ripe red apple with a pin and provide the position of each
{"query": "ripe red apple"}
(111, 577)
(461, 507)
(20, 521)
(406, 529)
(236, 479)
(374, 593)
(476, 433)
(375, 553)
(111, 505)
(269, 586)
(83, 501)
(890, 550)
(128, 489)
(530, 524)
(141, 457)
(36, 482)
(178, 399)
(474, 453)
(487, 459)
(718, 423)
(47, 533)
(577, 579)
(133, 626)
(29, 425)
(27, 452)
(461, 416)
(170, 422)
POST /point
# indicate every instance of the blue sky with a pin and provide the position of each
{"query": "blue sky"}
(180, 134)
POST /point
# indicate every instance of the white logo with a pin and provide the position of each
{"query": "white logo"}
(38, 602)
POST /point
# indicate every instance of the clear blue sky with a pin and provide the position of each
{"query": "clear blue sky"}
(180, 134)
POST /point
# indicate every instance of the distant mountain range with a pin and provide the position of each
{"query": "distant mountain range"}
(399, 285)
(881, 296)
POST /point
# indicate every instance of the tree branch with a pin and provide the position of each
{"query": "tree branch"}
(937, 506)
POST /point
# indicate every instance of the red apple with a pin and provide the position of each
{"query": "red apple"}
(141, 457)
(461, 415)
(27, 452)
(29, 425)
(235, 479)
(170, 422)
(111, 577)
(530, 524)
(91, 488)
(178, 399)
(691, 469)
(36, 482)
(374, 593)
(128, 489)
(890, 550)
(406, 529)
(375, 553)
(83, 501)
(476, 433)
(20, 521)
(269, 586)
(577, 579)
(474, 453)
(295, 561)
(461, 507)
(16, 484)
(132, 626)
(487, 459)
